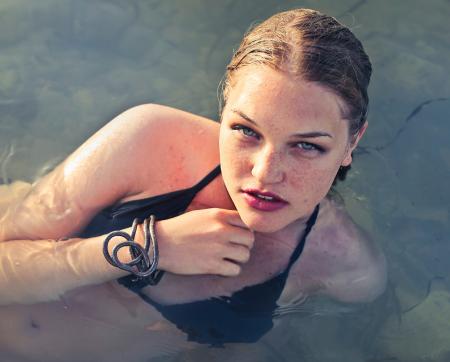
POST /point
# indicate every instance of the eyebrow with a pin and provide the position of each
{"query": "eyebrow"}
(313, 134)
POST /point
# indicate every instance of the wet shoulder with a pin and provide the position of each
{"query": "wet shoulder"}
(340, 259)
(184, 150)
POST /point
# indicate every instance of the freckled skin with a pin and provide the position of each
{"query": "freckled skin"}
(281, 105)
(337, 261)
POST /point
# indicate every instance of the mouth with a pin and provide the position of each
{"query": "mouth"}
(263, 200)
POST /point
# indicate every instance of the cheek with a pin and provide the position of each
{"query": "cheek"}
(232, 162)
(311, 183)
(231, 151)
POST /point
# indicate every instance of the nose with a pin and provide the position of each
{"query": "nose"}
(268, 166)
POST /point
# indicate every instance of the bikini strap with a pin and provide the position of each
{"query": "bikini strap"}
(206, 180)
(300, 246)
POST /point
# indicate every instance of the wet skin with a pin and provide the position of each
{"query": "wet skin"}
(284, 135)
(338, 260)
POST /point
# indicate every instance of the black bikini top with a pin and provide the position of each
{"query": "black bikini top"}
(163, 206)
(244, 317)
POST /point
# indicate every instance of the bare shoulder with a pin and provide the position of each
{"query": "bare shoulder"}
(176, 147)
(340, 259)
(145, 150)
(357, 265)
(155, 149)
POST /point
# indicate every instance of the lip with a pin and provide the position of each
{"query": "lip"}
(264, 193)
(263, 205)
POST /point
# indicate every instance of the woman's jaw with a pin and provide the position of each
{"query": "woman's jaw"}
(282, 140)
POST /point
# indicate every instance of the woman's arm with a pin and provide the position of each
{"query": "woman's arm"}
(208, 241)
(109, 166)
(124, 158)
(43, 270)
(34, 266)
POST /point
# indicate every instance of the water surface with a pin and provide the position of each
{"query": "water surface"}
(67, 67)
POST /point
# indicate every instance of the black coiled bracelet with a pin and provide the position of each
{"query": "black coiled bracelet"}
(141, 266)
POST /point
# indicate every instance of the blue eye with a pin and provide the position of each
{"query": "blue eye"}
(245, 131)
(306, 146)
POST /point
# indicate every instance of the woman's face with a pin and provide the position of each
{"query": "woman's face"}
(282, 135)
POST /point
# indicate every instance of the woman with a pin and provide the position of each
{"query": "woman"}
(258, 230)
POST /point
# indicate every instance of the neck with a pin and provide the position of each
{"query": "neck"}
(285, 239)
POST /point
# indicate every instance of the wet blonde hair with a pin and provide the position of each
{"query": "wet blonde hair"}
(314, 47)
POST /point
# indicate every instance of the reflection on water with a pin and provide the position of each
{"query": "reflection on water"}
(66, 67)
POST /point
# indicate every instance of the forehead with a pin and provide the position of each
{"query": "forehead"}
(268, 95)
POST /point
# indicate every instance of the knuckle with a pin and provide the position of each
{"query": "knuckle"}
(215, 227)
(217, 212)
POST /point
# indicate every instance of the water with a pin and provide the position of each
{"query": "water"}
(67, 67)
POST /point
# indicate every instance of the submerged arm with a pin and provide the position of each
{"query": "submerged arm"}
(104, 169)
(120, 160)
(207, 241)
(33, 265)
(43, 270)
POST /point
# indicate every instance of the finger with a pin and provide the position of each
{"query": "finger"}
(242, 237)
(229, 269)
(237, 253)
(234, 219)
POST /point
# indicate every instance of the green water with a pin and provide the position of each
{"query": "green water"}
(67, 67)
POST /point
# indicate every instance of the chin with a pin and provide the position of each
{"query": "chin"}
(262, 224)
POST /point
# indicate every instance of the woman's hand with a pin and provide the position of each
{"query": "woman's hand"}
(207, 241)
